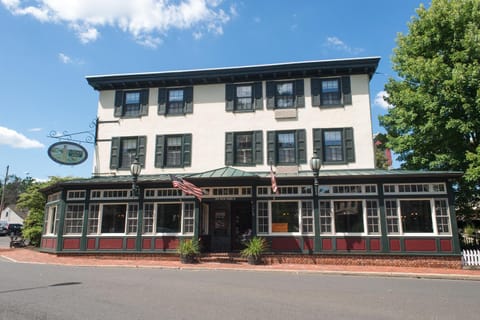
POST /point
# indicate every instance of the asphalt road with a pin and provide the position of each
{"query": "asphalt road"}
(49, 292)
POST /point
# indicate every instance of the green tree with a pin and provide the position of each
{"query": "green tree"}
(435, 120)
(34, 200)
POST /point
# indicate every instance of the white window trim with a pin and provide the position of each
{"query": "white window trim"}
(300, 220)
(182, 217)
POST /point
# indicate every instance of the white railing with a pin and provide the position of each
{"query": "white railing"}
(471, 257)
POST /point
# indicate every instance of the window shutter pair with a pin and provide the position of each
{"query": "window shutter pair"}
(300, 144)
(115, 151)
(230, 148)
(298, 92)
(348, 143)
(160, 150)
(163, 100)
(230, 96)
(119, 95)
(316, 90)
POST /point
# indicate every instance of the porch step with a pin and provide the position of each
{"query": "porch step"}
(222, 257)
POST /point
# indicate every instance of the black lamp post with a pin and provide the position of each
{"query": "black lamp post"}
(135, 169)
(315, 164)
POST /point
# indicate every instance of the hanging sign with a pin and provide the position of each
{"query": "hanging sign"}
(68, 153)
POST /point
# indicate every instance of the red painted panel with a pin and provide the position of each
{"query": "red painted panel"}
(446, 245)
(395, 245)
(351, 244)
(308, 244)
(420, 245)
(147, 243)
(91, 244)
(166, 243)
(131, 243)
(106, 243)
(327, 244)
(49, 243)
(375, 244)
(285, 244)
(71, 243)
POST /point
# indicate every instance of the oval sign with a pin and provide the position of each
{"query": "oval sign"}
(69, 153)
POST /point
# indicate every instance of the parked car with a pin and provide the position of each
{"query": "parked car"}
(3, 228)
(14, 229)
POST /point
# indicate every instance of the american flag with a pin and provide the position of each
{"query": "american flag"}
(187, 187)
(274, 181)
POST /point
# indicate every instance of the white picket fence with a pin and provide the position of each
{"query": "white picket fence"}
(471, 257)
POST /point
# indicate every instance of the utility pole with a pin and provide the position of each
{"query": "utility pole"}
(3, 190)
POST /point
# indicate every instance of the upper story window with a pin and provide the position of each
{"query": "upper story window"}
(125, 149)
(334, 146)
(244, 148)
(131, 103)
(285, 94)
(243, 97)
(286, 147)
(175, 101)
(331, 91)
(173, 151)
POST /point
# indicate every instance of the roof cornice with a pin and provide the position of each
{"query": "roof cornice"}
(292, 70)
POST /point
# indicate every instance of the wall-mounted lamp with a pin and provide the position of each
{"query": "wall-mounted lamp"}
(135, 169)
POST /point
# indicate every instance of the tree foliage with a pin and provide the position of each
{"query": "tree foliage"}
(434, 123)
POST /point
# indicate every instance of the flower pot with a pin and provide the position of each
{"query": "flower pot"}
(254, 260)
(187, 258)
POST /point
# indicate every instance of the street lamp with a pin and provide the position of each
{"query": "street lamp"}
(135, 169)
(315, 164)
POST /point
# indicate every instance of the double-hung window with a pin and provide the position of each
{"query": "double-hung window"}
(125, 149)
(173, 151)
(175, 101)
(334, 146)
(331, 92)
(286, 147)
(131, 103)
(244, 148)
(243, 97)
(285, 94)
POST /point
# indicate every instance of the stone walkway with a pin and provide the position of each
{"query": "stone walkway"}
(27, 255)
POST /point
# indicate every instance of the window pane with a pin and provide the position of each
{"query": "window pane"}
(286, 147)
(74, 219)
(348, 216)
(372, 217)
(148, 218)
(244, 98)
(285, 217)
(416, 215)
(132, 103)
(441, 213)
(175, 101)
(132, 97)
(331, 92)
(93, 218)
(132, 218)
(332, 145)
(188, 218)
(113, 218)
(243, 148)
(284, 95)
(127, 152)
(391, 215)
(262, 217)
(168, 217)
(307, 217)
(174, 151)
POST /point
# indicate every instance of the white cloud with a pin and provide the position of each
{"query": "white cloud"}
(380, 100)
(146, 20)
(14, 139)
(337, 44)
(64, 58)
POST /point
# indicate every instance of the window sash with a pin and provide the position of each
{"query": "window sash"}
(286, 147)
(128, 149)
(333, 146)
(173, 151)
(244, 148)
(74, 219)
(176, 101)
(284, 95)
(243, 97)
(131, 106)
(331, 94)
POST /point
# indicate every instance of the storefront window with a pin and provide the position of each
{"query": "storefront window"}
(348, 216)
(168, 217)
(416, 216)
(285, 217)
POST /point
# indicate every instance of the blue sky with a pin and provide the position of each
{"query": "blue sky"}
(49, 47)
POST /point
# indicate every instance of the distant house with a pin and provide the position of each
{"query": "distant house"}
(12, 214)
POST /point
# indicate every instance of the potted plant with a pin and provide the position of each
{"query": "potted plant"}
(188, 250)
(254, 249)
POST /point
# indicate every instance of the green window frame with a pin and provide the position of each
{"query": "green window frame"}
(334, 145)
(331, 92)
(283, 150)
(125, 149)
(278, 97)
(131, 103)
(173, 151)
(244, 148)
(243, 97)
(175, 101)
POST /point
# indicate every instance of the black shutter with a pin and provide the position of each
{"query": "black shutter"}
(141, 149)
(349, 145)
(271, 147)
(229, 148)
(229, 97)
(299, 94)
(346, 90)
(115, 153)
(118, 103)
(318, 143)
(258, 96)
(258, 147)
(188, 92)
(159, 151)
(316, 85)
(162, 101)
(301, 146)
(271, 86)
(144, 102)
(187, 149)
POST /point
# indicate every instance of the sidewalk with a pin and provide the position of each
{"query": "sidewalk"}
(25, 255)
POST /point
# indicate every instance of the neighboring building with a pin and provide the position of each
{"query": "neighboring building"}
(223, 130)
(12, 214)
